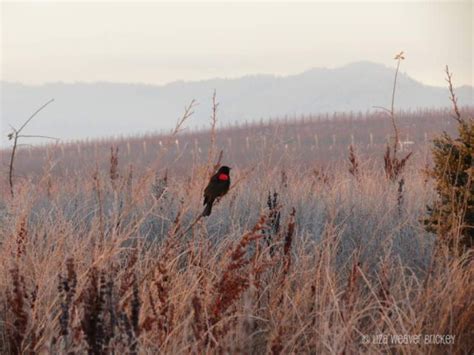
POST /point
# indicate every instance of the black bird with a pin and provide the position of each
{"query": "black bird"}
(217, 187)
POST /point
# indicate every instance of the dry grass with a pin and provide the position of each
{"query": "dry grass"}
(292, 260)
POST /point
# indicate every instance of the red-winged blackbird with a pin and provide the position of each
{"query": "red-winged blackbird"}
(217, 187)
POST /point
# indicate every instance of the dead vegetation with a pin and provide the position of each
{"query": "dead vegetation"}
(260, 276)
(297, 258)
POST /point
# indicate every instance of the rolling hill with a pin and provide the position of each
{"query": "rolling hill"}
(93, 110)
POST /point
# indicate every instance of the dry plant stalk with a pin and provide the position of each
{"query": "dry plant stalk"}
(113, 172)
(452, 96)
(15, 135)
(401, 183)
(354, 162)
(98, 191)
(212, 147)
(399, 57)
(21, 238)
(394, 166)
(233, 282)
(171, 138)
(17, 300)
(290, 232)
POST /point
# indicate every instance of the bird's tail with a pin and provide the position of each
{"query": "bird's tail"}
(207, 210)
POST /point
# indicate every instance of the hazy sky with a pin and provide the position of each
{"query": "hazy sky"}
(162, 42)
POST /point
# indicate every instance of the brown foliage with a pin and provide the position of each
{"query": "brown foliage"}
(354, 162)
(394, 166)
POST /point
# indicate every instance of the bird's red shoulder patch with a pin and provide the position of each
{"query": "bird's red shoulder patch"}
(223, 177)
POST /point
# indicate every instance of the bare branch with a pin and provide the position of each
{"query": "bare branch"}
(212, 148)
(391, 112)
(34, 136)
(169, 139)
(33, 115)
(215, 105)
(382, 108)
(12, 159)
(392, 165)
(399, 57)
(452, 96)
(218, 163)
(15, 135)
(188, 112)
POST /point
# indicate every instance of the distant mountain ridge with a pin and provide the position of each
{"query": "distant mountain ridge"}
(92, 110)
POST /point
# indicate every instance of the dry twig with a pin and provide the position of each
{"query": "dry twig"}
(15, 135)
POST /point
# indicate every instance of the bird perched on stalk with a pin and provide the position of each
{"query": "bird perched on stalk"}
(217, 187)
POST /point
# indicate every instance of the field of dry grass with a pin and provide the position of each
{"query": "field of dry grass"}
(294, 259)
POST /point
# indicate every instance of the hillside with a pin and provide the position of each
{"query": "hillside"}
(106, 109)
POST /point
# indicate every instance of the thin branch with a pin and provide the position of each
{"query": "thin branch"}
(12, 159)
(212, 148)
(452, 96)
(33, 115)
(382, 108)
(15, 135)
(34, 136)
(399, 57)
(395, 84)
(188, 112)
(218, 163)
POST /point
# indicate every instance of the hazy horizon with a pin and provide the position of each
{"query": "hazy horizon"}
(265, 59)
(243, 76)
(94, 110)
(159, 43)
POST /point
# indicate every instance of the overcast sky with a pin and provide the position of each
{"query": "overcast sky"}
(163, 42)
